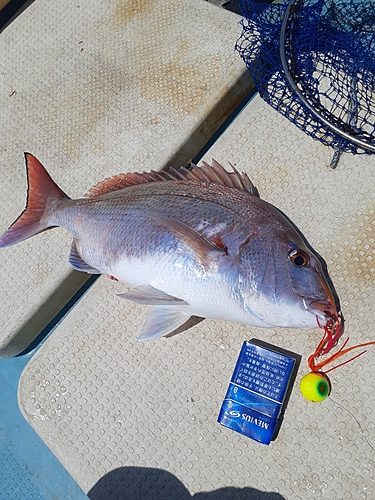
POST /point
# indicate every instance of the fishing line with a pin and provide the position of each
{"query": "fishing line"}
(358, 422)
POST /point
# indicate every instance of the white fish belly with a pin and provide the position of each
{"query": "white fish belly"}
(209, 295)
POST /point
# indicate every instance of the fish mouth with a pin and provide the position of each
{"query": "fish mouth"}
(328, 319)
(322, 309)
(325, 310)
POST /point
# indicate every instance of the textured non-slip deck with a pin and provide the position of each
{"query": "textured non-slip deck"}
(132, 418)
(94, 89)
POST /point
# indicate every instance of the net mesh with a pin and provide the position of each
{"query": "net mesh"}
(330, 54)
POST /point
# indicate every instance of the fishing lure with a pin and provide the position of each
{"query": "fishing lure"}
(316, 386)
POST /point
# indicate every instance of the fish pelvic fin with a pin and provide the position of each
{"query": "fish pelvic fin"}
(148, 295)
(42, 191)
(161, 321)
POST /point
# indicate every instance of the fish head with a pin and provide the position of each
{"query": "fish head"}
(284, 281)
(309, 282)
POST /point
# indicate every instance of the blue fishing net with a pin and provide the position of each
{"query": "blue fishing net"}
(323, 79)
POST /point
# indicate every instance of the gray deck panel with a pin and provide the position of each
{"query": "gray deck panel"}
(94, 89)
(109, 406)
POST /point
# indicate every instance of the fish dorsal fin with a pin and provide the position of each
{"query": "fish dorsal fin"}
(214, 173)
(115, 183)
(122, 181)
(217, 174)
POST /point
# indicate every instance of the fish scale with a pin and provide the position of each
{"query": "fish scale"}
(190, 242)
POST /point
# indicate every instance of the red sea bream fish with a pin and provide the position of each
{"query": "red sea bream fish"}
(189, 242)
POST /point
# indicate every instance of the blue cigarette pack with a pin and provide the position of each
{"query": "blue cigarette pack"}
(259, 390)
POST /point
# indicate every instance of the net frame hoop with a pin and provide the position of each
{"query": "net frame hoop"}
(292, 7)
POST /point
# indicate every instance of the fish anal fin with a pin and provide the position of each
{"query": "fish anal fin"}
(148, 295)
(78, 263)
(161, 321)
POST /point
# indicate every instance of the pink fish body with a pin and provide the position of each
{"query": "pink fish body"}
(190, 242)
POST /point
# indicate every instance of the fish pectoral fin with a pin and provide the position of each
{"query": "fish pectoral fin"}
(148, 295)
(206, 250)
(78, 263)
(161, 321)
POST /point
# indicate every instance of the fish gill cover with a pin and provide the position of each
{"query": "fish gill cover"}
(323, 79)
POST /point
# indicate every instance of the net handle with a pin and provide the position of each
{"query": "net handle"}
(293, 5)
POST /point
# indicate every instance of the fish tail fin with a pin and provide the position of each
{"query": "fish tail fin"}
(42, 191)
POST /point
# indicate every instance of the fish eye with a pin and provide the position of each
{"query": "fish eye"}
(299, 258)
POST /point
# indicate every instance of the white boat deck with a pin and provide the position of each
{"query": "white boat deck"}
(92, 90)
(137, 420)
